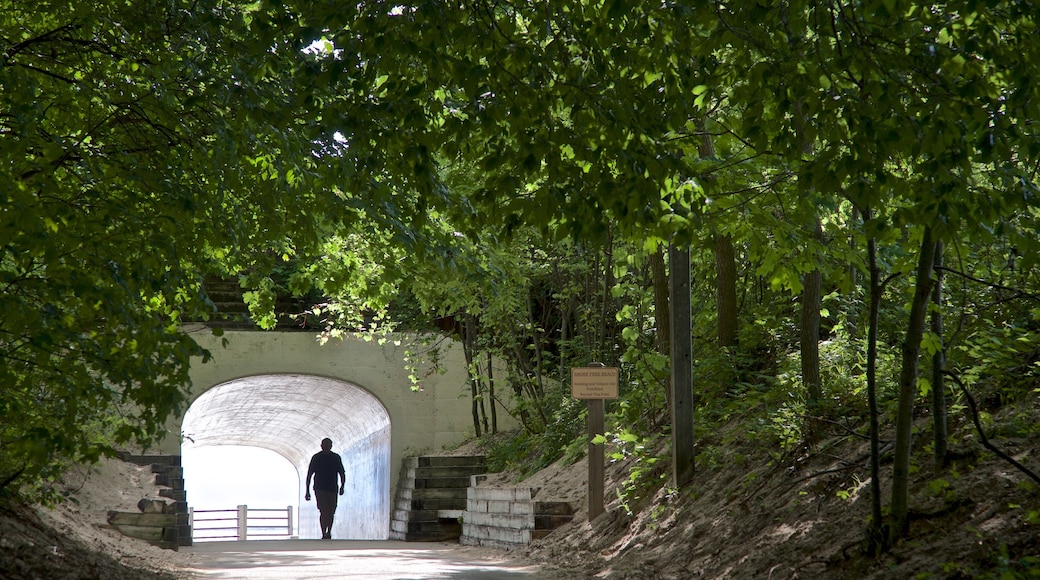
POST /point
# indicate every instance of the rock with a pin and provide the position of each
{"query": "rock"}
(156, 505)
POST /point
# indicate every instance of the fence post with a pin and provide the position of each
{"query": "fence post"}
(288, 511)
(243, 522)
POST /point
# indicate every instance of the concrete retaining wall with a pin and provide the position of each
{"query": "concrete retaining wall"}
(504, 517)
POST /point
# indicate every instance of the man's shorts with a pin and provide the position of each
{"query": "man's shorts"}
(326, 500)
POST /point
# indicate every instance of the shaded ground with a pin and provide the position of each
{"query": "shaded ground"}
(306, 559)
(749, 514)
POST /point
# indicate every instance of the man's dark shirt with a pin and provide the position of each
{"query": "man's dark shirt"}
(325, 465)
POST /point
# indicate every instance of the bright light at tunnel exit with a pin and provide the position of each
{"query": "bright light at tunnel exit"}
(226, 476)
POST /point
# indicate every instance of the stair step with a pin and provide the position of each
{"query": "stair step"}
(427, 493)
(410, 527)
(444, 461)
(451, 515)
(441, 482)
(415, 515)
(427, 504)
(443, 471)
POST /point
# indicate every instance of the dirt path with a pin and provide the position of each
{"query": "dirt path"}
(306, 559)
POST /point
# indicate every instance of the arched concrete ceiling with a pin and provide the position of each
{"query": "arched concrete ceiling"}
(287, 413)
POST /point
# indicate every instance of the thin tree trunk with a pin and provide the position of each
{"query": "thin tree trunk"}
(662, 312)
(603, 353)
(468, 341)
(682, 366)
(726, 290)
(565, 336)
(725, 262)
(853, 272)
(812, 286)
(911, 351)
(876, 536)
(536, 341)
(725, 269)
(851, 320)
(939, 366)
(483, 408)
(812, 300)
(491, 393)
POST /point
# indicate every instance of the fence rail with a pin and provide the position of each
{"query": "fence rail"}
(241, 523)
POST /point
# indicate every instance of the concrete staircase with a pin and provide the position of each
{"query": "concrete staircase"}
(431, 497)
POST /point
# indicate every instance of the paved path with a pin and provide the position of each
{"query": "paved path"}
(381, 560)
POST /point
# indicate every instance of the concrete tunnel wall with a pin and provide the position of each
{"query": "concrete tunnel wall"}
(367, 465)
(289, 414)
(284, 391)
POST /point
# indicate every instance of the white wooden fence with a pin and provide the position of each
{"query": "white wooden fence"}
(242, 523)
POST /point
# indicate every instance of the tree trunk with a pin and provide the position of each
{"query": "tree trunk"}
(662, 311)
(726, 290)
(604, 352)
(812, 300)
(491, 393)
(725, 263)
(939, 365)
(876, 536)
(810, 333)
(468, 342)
(538, 347)
(911, 351)
(682, 366)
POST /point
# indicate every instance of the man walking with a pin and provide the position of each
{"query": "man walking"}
(325, 466)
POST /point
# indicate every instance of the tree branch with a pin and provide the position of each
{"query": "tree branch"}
(1018, 292)
(982, 435)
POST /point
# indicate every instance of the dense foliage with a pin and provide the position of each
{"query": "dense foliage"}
(516, 171)
(143, 147)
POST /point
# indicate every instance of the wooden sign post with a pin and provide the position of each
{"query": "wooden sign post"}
(594, 385)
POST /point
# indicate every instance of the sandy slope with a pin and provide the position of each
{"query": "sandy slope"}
(73, 540)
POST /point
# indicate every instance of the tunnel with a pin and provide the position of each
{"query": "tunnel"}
(290, 414)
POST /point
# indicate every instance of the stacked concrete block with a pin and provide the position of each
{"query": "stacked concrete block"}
(504, 517)
(500, 517)
(431, 496)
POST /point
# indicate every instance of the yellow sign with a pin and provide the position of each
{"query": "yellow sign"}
(594, 382)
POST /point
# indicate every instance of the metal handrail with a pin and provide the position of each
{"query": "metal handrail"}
(244, 521)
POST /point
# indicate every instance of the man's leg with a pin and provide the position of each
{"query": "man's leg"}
(333, 503)
(326, 501)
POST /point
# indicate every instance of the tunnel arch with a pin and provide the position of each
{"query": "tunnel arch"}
(289, 414)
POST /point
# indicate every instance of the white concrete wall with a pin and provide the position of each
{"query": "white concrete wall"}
(437, 417)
